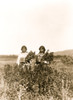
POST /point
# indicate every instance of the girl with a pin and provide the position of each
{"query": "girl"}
(22, 55)
(41, 53)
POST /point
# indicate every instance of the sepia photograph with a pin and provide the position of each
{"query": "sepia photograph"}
(36, 50)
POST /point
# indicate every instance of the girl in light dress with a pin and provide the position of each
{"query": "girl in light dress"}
(22, 55)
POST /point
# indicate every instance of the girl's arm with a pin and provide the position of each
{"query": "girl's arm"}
(18, 60)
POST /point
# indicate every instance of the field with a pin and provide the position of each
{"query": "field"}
(59, 64)
(3, 61)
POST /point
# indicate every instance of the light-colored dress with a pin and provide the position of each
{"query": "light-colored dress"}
(21, 57)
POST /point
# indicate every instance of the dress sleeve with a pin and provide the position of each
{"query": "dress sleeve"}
(18, 60)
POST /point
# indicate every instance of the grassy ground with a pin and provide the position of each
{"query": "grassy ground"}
(3, 61)
(57, 64)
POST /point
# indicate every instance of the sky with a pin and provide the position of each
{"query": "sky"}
(34, 23)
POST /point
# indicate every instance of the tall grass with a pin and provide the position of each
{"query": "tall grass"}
(37, 81)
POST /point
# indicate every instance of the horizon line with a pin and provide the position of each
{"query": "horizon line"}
(15, 54)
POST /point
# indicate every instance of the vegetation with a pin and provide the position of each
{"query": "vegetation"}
(67, 60)
(42, 83)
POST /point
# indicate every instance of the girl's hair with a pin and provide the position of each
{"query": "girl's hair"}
(24, 47)
(42, 47)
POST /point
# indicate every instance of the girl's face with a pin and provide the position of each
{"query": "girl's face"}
(24, 50)
(42, 50)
